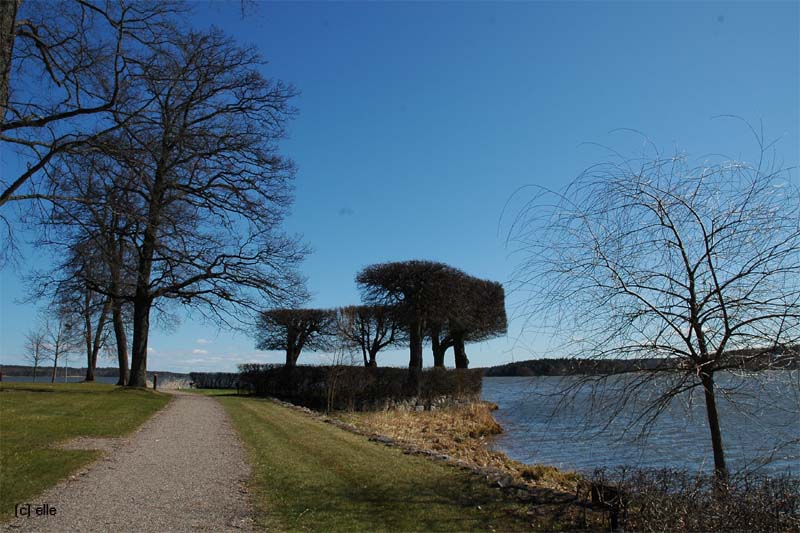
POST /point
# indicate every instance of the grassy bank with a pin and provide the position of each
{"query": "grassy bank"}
(461, 433)
(36, 417)
(308, 475)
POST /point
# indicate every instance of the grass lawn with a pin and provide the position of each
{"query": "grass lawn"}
(308, 475)
(34, 417)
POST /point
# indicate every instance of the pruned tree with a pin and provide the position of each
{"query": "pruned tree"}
(35, 349)
(418, 291)
(295, 330)
(441, 340)
(439, 301)
(478, 313)
(695, 265)
(369, 329)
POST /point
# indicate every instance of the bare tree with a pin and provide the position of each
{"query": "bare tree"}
(90, 212)
(294, 330)
(60, 341)
(697, 266)
(369, 329)
(185, 199)
(35, 350)
(89, 228)
(64, 67)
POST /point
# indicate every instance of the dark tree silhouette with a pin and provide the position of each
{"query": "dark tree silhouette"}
(369, 328)
(87, 308)
(441, 340)
(657, 258)
(186, 197)
(418, 291)
(69, 285)
(477, 314)
(293, 330)
(439, 301)
(64, 66)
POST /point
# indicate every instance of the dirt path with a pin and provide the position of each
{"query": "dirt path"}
(184, 469)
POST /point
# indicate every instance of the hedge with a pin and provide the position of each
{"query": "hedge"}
(362, 388)
(215, 380)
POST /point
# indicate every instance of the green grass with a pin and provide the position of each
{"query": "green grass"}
(308, 475)
(34, 417)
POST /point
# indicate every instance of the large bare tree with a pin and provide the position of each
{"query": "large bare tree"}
(185, 198)
(697, 265)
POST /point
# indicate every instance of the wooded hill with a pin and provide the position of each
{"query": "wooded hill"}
(750, 360)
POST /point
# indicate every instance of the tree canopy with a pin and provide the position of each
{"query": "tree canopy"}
(437, 300)
(295, 330)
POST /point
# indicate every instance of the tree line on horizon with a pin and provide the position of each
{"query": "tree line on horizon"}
(753, 360)
(404, 303)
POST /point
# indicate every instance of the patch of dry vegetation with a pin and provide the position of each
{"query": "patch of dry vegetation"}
(461, 432)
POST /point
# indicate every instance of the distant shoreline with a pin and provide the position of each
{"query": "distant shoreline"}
(104, 372)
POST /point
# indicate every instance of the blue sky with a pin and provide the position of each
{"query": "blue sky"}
(418, 121)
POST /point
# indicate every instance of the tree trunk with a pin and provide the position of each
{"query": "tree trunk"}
(141, 329)
(373, 354)
(292, 355)
(8, 18)
(460, 352)
(98, 340)
(87, 335)
(55, 365)
(143, 300)
(720, 470)
(437, 348)
(415, 344)
(122, 343)
(35, 366)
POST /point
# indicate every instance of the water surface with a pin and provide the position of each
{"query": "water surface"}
(764, 414)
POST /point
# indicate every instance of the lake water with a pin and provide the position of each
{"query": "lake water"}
(766, 413)
(45, 378)
(164, 381)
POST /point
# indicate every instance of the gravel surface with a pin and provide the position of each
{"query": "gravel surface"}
(183, 470)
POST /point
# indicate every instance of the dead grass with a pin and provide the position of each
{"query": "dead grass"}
(461, 433)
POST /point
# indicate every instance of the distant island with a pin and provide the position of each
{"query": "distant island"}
(750, 360)
(570, 366)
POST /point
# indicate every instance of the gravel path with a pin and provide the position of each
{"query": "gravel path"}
(183, 470)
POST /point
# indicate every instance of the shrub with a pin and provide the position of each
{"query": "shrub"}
(360, 388)
(215, 380)
(668, 500)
